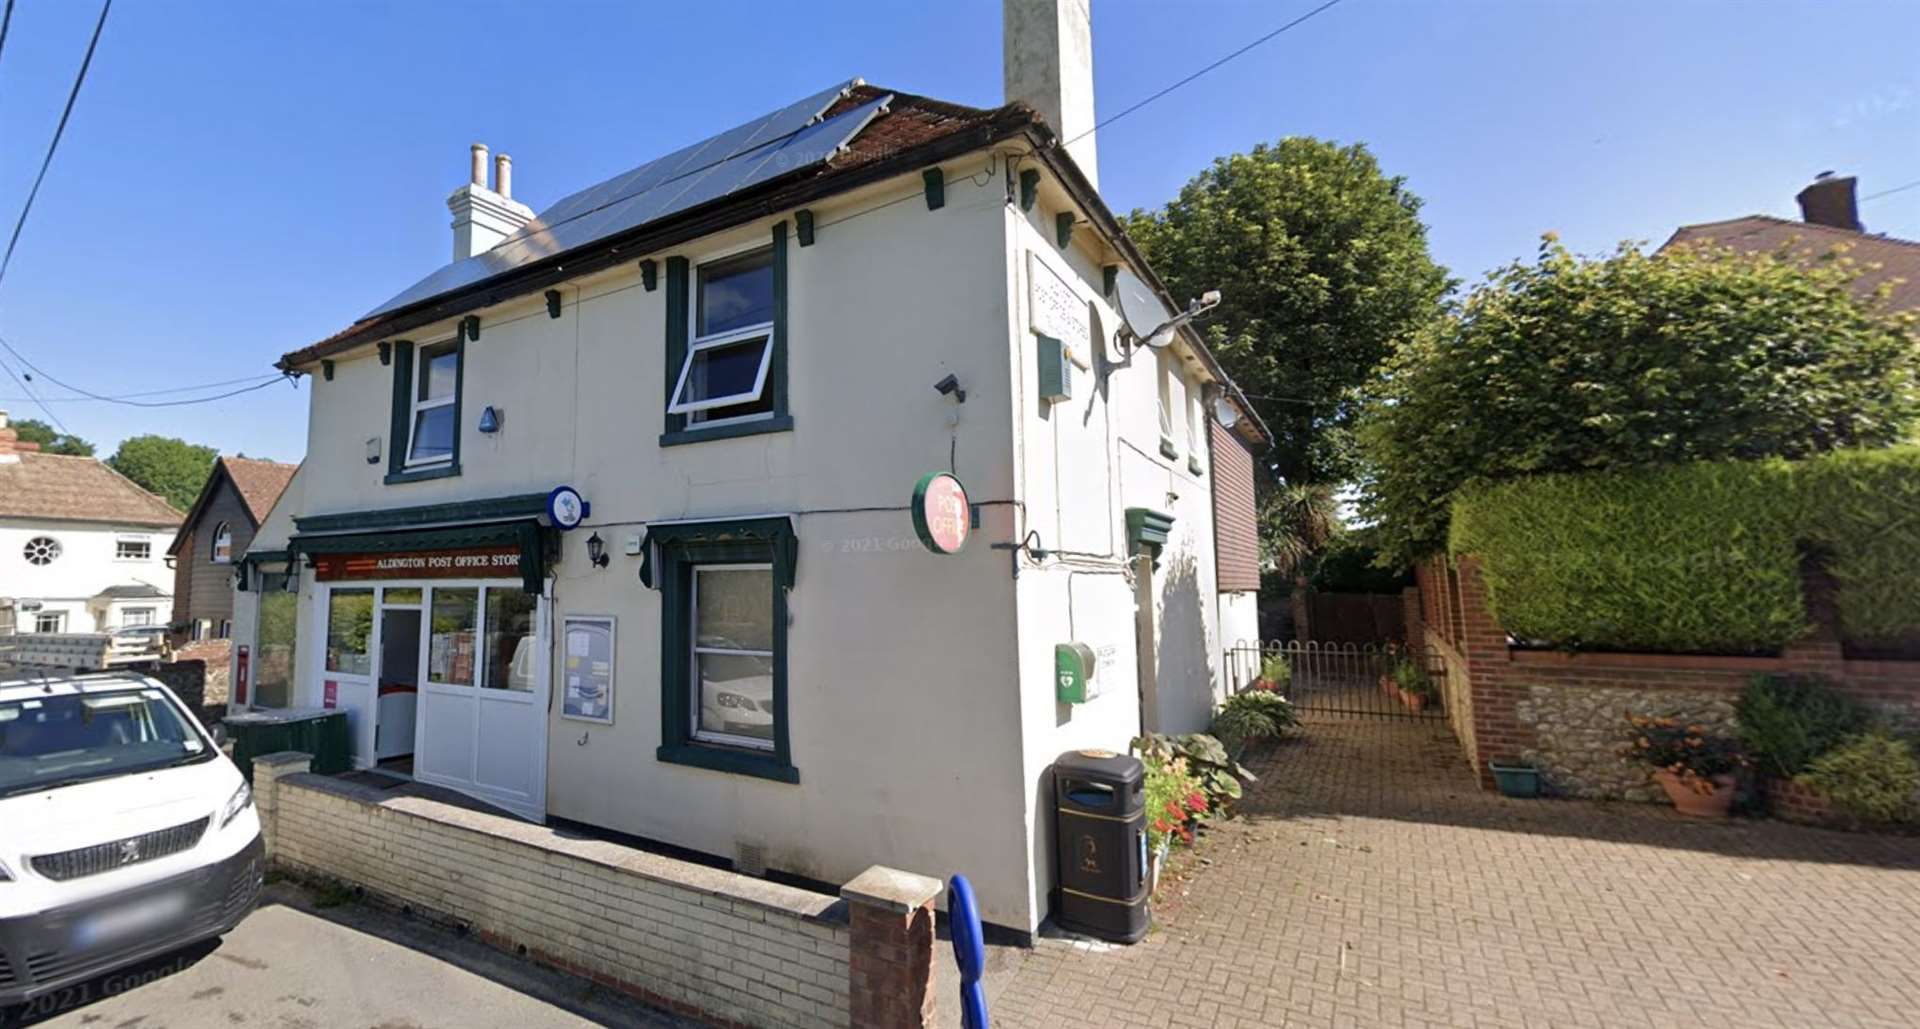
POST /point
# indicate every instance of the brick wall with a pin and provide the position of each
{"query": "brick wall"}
(1236, 551)
(1565, 712)
(706, 943)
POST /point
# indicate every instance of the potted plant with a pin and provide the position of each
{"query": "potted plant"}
(1515, 778)
(1275, 674)
(1413, 685)
(1786, 722)
(1695, 767)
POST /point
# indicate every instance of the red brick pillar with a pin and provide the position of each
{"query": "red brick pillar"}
(1413, 618)
(1819, 652)
(1497, 731)
(890, 949)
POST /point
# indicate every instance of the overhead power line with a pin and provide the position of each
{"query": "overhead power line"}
(1295, 22)
(6, 21)
(256, 382)
(1889, 192)
(59, 130)
(62, 426)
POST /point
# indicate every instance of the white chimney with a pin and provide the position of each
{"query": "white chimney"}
(481, 216)
(1047, 48)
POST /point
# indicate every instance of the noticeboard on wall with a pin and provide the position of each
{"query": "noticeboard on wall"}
(586, 669)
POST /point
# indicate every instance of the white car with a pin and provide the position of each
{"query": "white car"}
(124, 832)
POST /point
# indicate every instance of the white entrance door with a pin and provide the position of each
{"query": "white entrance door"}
(348, 631)
(482, 723)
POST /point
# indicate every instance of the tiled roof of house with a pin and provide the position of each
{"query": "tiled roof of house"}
(1898, 259)
(55, 486)
(260, 482)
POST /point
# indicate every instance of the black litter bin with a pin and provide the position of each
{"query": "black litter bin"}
(1100, 830)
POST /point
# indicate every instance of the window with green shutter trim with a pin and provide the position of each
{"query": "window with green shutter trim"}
(726, 352)
(723, 658)
(423, 440)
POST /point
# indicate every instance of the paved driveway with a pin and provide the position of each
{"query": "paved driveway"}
(292, 966)
(1370, 884)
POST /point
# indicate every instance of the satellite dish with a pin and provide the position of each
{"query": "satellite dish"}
(1226, 414)
(1148, 318)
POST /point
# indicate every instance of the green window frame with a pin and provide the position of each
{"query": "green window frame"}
(684, 549)
(400, 430)
(681, 280)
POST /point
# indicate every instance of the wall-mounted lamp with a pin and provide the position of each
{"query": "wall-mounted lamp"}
(490, 420)
(597, 551)
(373, 450)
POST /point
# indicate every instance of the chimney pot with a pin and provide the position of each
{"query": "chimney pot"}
(503, 176)
(479, 152)
(1830, 201)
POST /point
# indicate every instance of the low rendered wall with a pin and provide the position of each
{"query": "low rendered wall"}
(706, 943)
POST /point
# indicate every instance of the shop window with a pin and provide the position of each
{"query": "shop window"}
(450, 647)
(222, 544)
(350, 631)
(272, 660)
(511, 650)
(724, 664)
(726, 345)
(132, 550)
(50, 621)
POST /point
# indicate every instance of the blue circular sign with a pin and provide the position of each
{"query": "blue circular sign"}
(565, 509)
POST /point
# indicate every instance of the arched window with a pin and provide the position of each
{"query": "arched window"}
(222, 544)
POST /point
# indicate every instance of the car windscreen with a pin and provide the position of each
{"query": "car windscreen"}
(50, 741)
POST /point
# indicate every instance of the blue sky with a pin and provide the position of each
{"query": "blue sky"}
(242, 179)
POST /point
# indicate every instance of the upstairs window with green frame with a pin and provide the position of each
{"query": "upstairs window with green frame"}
(425, 435)
(724, 696)
(726, 344)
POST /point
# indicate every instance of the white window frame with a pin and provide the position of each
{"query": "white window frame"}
(51, 546)
(144, 614)
(215, 554)
(415, 405)
(1196, 420)
(58, 619)
(121, 543)
(697, 343)
(1163, 363)
(694, 650)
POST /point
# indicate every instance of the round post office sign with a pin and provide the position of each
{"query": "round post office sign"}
(941, 515)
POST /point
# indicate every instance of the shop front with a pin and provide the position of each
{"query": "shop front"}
(435, 644)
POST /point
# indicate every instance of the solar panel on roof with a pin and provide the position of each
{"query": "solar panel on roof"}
(787, 140)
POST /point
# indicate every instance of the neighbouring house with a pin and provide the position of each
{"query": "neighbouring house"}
(218, 529)
(80, 545)
(671, 449)
(1831, 219)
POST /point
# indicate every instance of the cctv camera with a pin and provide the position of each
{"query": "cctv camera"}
(950, 387)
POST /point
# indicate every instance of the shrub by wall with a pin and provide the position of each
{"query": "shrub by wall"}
(1701, 558)
(1862, 514)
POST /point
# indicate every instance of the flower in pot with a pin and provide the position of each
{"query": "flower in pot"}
(1696, 768)
(1275, 674)
(1413, 684)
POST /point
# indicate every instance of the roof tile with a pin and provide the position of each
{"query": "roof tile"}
(56, 486)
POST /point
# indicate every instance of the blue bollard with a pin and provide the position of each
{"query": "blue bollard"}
(969, 951)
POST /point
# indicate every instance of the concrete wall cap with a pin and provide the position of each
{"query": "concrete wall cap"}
(892, 889)
(283, 759)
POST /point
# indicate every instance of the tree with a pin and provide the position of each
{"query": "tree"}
(173, 468)
(1692, 354)
(1322, 264)
(32, 430)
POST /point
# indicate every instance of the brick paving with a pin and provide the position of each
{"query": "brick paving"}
(1369, 883)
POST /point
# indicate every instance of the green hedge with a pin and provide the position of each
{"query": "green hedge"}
(1700, 558)
(1863, 518)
